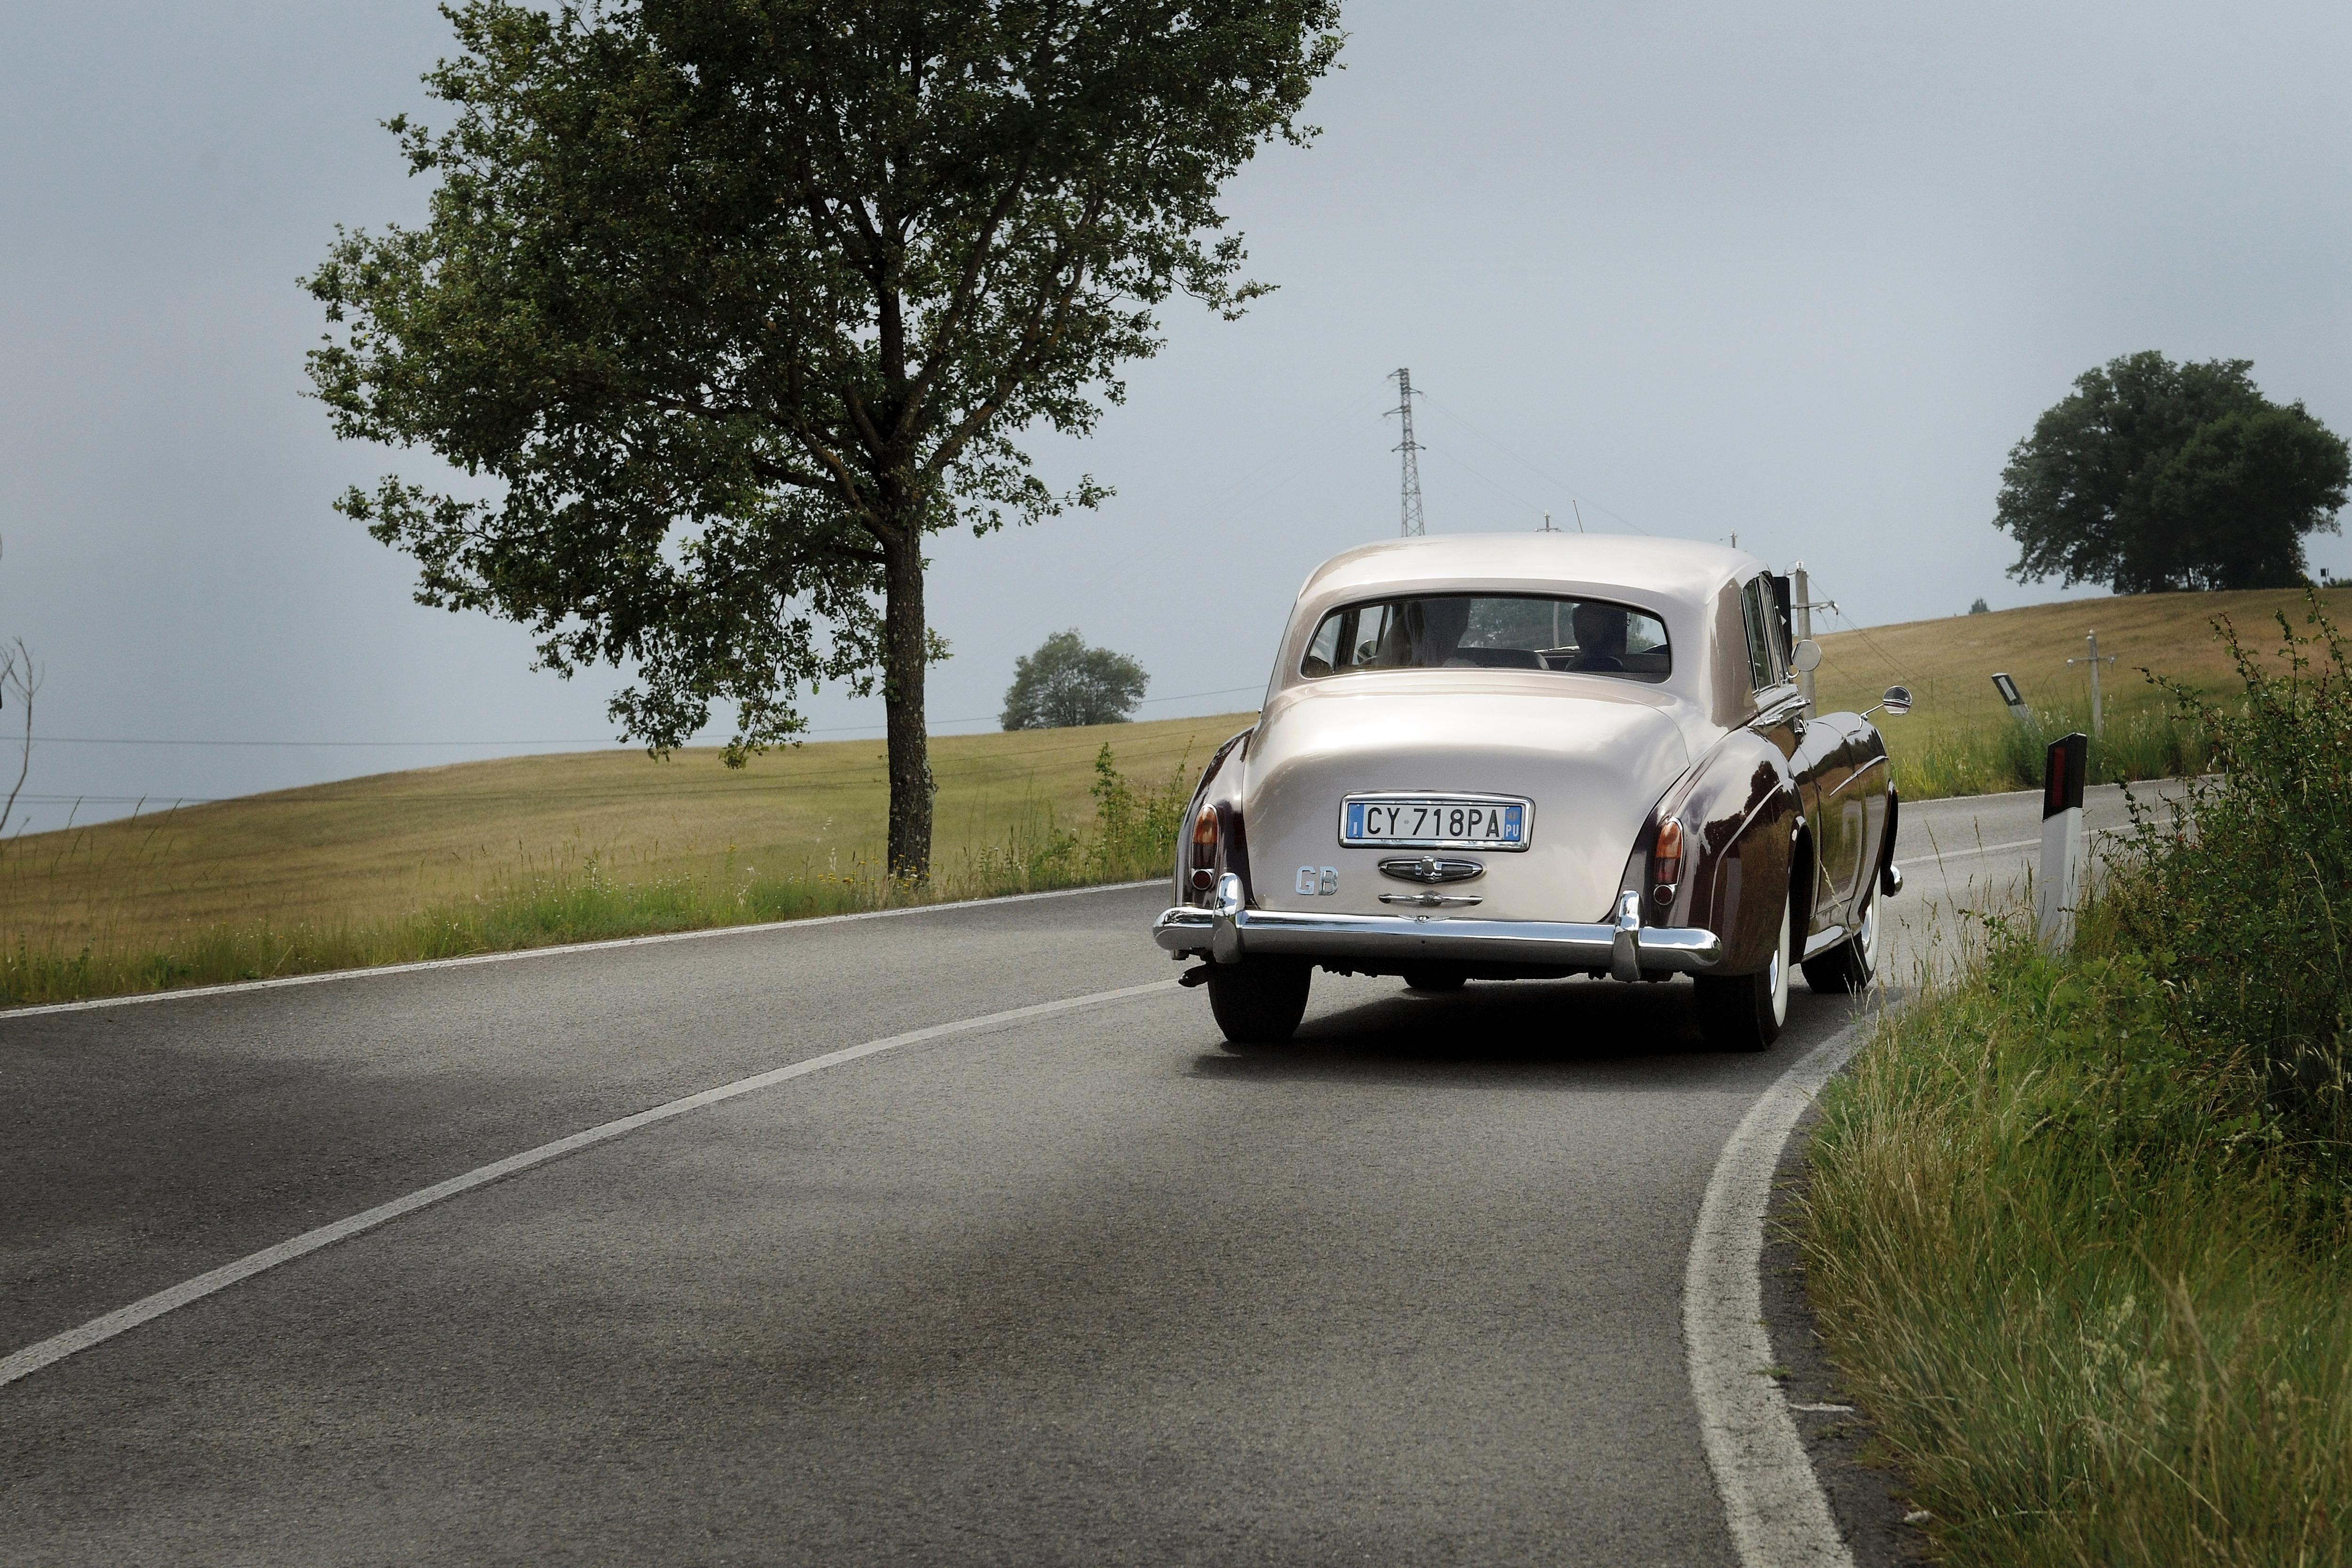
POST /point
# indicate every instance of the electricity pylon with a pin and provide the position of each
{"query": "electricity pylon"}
(1411, 450)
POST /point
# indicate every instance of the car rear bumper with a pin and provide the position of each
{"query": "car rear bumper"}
(1228, 931)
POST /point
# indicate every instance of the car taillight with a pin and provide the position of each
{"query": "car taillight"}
(1204, 849)
(1666, 861)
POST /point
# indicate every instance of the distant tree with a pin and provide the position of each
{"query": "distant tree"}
(2155, 476)
(724, 306)
(1065, 682)
(1979, 607)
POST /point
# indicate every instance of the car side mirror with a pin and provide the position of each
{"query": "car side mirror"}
(1897, 701)
(1806, 656)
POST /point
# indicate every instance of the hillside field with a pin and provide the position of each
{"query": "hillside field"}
(366, 852)
(576, 844)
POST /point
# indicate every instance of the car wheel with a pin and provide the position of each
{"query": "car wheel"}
(1258, 1003)
(1744, 1012)
(1848, 967)
(1435, 980)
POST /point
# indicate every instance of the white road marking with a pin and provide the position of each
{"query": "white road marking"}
(1772, 1499)
(56, 1348)
(471, 959)
(1943, 854)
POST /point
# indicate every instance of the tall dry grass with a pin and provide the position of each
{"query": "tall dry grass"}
(2078, 1226)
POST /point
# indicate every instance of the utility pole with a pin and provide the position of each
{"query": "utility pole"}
(1411, 449)
(1546, 528)
(2098, 719)
(1800, 607)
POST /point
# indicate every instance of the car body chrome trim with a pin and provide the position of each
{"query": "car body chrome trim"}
(1228, 931)
(1432, 868)
(1432, 901)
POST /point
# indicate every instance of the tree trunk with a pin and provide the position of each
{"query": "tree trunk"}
(906, 644)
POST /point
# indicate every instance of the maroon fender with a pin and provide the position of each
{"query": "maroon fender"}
(1739, 811)
(1220, 789)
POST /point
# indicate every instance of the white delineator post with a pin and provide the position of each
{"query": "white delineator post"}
(2015, 701)
(2064, 848)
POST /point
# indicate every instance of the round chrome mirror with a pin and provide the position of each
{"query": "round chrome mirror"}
(1806, 656)
(1897, 701)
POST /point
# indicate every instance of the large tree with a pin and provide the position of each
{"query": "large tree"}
(723, 306)
(2154, 476)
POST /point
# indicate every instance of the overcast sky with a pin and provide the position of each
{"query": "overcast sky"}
(1801, 271)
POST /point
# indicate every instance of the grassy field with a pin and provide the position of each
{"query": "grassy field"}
(1960, 740)
(524, 850)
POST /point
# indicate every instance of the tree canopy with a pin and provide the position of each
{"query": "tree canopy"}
(1065, 682)
(723, 306)
(2154, 476)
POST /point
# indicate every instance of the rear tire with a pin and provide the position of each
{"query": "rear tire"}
(1435, 980)
(1848, 968)
(1259, 1002)
(1744, 1012)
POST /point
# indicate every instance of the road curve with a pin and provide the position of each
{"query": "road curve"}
(1087, 1287)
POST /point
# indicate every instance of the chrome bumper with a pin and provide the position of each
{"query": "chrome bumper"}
(1624, 947)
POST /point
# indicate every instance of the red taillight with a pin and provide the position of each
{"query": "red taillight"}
(1204, 849)
(1666, 859)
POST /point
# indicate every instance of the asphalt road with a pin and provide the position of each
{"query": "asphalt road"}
(1087, 1289)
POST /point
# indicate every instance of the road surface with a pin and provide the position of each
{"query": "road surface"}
(1085, 1288)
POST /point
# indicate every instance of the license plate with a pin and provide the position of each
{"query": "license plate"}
(1435, 822)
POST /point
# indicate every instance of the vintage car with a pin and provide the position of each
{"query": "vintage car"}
(1520, 756)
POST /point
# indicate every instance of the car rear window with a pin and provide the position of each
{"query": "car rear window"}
(1491, 631)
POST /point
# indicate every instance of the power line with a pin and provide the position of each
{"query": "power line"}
(553, 740)
(1532, 468)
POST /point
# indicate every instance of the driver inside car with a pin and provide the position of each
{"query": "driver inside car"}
(1599, 638)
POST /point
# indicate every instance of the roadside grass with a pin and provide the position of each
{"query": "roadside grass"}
(150, 905)
(2077, 1230)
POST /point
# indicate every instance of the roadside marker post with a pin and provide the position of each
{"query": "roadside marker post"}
(2065, 847)
(2014, 698)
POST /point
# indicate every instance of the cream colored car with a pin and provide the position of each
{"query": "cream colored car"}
(1508, 757)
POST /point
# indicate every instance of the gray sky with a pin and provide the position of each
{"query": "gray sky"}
(1801, 271)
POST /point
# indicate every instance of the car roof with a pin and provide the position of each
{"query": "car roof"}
(1679, 574)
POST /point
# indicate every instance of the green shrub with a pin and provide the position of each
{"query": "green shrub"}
(2241, 893)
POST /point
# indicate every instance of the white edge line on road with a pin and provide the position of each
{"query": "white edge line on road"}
(1941, 855)
(1772, 1499)
(324, 976)
(56, 1348)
